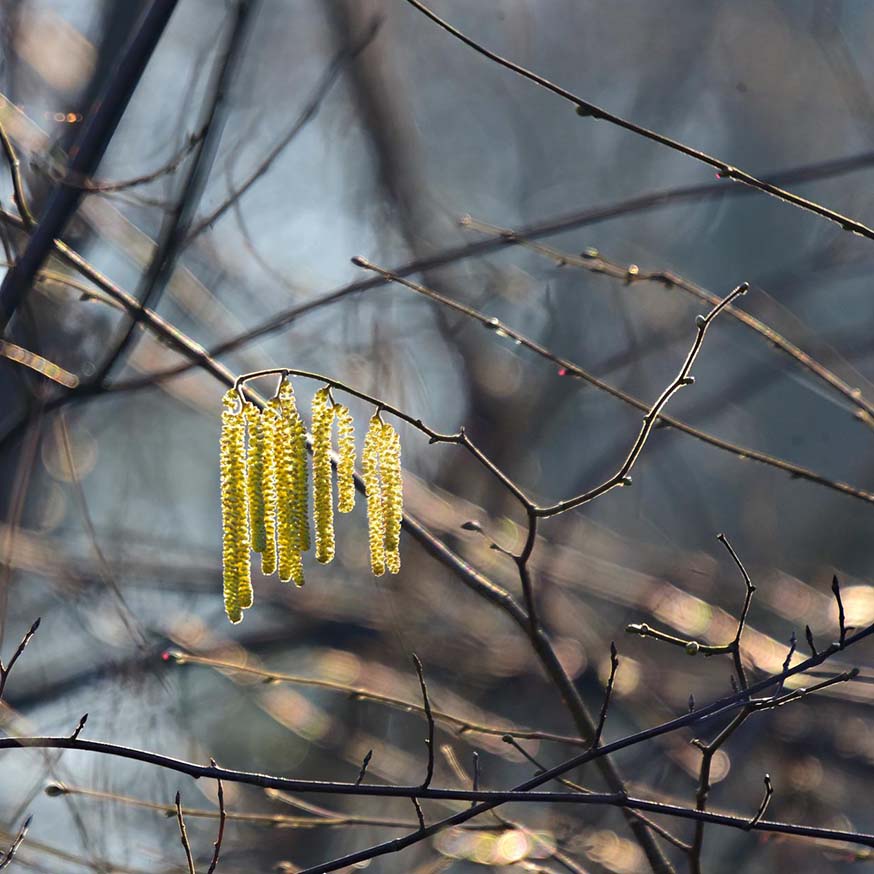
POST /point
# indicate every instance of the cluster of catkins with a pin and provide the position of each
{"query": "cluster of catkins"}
(264, 487)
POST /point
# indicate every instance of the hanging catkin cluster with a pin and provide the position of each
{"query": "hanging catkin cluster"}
(264, 487)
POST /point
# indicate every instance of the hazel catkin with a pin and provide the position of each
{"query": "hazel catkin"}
(235, 522)
(346, 459)
(300, 502)
(323, 496)
(392, 495)
(269, 422)
(288, 430)
(373, 492)
(254, 478)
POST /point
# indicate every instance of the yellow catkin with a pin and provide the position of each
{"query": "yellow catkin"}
(269, 422)
(235, 522)
(289, 560)
(254, 478)
(373, 491)
(346, 459)
(392, 495)
(300, 506)
(323, 495)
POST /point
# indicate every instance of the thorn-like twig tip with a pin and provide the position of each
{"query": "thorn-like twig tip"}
(78, 730)
(364, 765)
(842, 621)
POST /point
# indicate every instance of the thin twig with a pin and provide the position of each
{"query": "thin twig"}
(842, 622)
(6, 669)
(9, 855)
(18, 194)
(419, 815)
(426, 704)
(614, 664)
(78, 729)
(769, 791)
(323, 818)
(809, 635)
(217, 846)
(694, 647)
(183, 835)
(741, 623)
(109, 187)
(361, 773)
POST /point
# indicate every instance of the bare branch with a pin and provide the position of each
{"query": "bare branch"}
(614, 664)
(183, 835)
(429, 774)
(9, 855)
(419, 815)
(221, 829)
(6, 669)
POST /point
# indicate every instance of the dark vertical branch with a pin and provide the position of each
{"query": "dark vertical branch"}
(842, 622)
(183, 835)
(221, 829)
(176, 230)
(741, 623)
(429, 774)
(602, 718)
(85, 156)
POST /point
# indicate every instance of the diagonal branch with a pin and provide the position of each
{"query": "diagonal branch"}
(586, 109)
